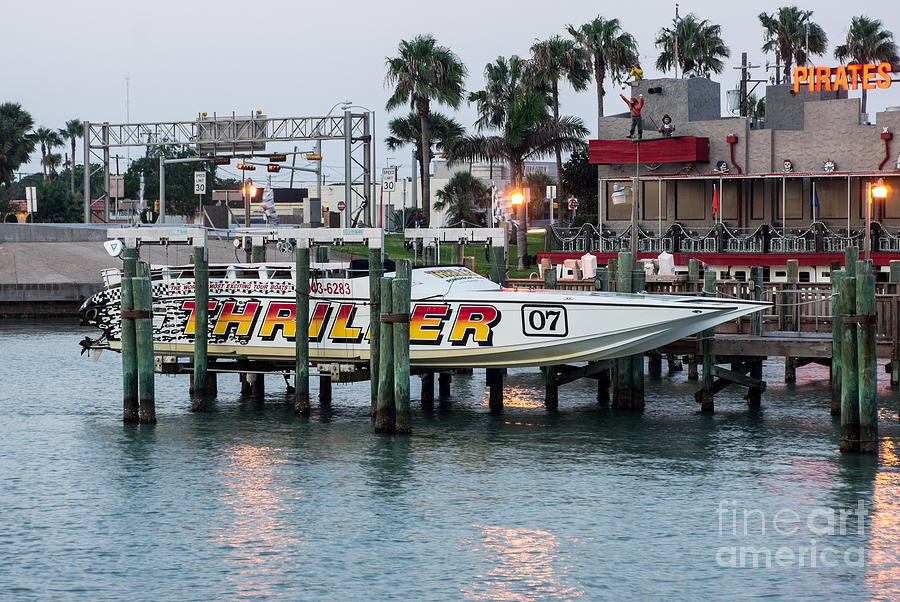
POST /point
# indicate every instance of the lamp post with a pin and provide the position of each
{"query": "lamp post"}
(877, 192)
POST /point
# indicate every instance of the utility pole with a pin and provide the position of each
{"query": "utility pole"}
(675, 32)
(743, 84)
(415, 186)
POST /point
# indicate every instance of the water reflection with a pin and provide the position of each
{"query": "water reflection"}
(527, 565)
(254, 523)
(882, 560)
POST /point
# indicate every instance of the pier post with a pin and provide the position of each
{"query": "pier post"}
(130, 407)
(400, 294)
(384, 411)
(638, 284)
(494, 376)
(867, 352)
(301, 327)
(895, 324)
(613, 267)
(693, 370)
(258, 253)
(444, 380)
(601, 283)
(376, 272)
(693, 273)
(836, 370)
(851, 256)
(456, 254)
(551, 390)
(707, 403)
(550, 278)
(143, 329)
(849, 367)
(323, 253)
(754, 396)
(427, 379)
(622, 379)
(791, 319)
(200, 387)
(324, 389)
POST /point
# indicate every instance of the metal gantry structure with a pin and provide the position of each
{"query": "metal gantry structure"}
(241, 136)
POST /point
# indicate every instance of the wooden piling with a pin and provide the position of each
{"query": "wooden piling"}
(613, 267)
(130, 406)
(867, 354)
(550, 278)
(324, 389)
(601, 283)
(384, 412)
(791, 321)
(456, 254)
(143, 329)
(849, 367)
(301, 328)
(494, 376)
(376, 272)
(693, 272)
(427, 379)
(444, 380)
(323, 253)
(258, 253)
(622, 378)
(895, 325)
(836, 371)
(754, 395)
(400, 296)
(638, 284)
(199, 383)
(551, 390)
(707, 403)
(851, 256)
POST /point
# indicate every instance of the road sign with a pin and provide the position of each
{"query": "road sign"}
(341, 205)
(199, 182)
(117, 186)
(573, 203)
(551, 192)
(388, 179)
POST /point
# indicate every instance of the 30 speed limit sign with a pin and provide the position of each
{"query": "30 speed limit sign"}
(199, 182)
(388, 179)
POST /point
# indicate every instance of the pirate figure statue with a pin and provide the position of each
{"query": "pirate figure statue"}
(635, 106)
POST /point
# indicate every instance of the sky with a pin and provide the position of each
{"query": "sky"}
(301, 58)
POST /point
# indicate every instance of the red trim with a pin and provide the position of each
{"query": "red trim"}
(678, 149)
(886, 136)
(729, 259)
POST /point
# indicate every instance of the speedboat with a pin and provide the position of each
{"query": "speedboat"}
(457, 318)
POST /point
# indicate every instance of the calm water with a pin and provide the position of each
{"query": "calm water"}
(251, 501)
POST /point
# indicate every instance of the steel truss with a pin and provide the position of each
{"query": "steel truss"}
(241, 136)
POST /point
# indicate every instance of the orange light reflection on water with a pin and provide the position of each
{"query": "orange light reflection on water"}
(882, 557)
(527, 565)
(255, 498)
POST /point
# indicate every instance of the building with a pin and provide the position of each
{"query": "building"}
(795, 185)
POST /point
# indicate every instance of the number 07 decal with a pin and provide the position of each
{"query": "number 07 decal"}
(544, 321)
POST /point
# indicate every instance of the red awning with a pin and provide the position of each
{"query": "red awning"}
(678, 149)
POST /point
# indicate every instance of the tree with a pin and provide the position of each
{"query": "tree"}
(421, 73)
(527, 133)
(867, 42)
(536, 182)
(580, 178)
(180, 197)
(756, 107)
(503, 81)
(465, 200)
(15, 142)
(73, 131)
(408, 130)
(700, 46)
(611, 50)
(555, 59)
(44, 136)
(56, 204)
(786, 35)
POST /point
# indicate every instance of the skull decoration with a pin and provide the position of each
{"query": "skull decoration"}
(828, 166)
(721, 167)
(788, 166)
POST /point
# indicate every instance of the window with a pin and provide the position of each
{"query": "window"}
(653, 205)
(793, 202)
(690, 202)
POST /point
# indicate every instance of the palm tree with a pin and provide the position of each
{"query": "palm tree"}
(528, 132)
(611, 50)
(554, 59)
(43, 135)
(464, 198)
(786, 34)
(422, 72)
(700, 46)
(408, 130)
(52, 160)
(867, 42)
(503, 80)
(16, 144)
(74, 129)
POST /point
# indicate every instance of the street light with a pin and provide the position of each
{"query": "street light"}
(877, 192)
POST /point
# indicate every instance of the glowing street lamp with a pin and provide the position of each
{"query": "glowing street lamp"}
(517, 197)
(877, 192)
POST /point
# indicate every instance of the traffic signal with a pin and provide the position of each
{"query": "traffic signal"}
(273, 168)
(223, 160)
(246, 167)
(313, 157)
(276, 158)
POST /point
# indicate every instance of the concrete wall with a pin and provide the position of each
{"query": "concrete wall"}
(51, 233)
(784, 107)
(694, 99)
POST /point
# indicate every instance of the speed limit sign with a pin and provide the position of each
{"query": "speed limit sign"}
(388, 179)
(199, 182)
